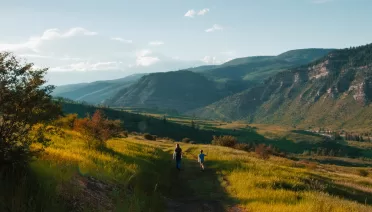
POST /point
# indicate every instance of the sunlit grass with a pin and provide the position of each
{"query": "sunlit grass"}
(141, 173)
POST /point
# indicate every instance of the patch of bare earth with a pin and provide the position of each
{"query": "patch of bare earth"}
(81, 193)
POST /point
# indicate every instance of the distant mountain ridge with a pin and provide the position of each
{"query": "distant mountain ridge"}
(335, 90)
(257, 68)
(95, 92)
(178, 90)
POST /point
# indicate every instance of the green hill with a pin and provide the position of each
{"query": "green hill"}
(334, 91)
(178, 90)
(95, 92)
(260, 67)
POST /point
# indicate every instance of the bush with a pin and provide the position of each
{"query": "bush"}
(363, 173)
(262, 151)
(150, 137)
(226, 140)
(192, 142)
(97, 129)
(186, 140)
(124, 134)
(244, 147)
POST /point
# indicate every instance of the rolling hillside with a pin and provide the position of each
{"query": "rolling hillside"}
(180, 90)
(335, 91)
(95, 92)
(259, 68)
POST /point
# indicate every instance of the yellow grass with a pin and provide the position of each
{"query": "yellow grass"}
(243, 180)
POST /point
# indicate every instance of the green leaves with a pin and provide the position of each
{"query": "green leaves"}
(24, 102)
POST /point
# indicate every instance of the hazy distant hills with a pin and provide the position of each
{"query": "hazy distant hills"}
(95, 92)
(178, 90)
(336, 90)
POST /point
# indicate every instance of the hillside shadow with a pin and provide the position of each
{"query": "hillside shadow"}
(171, 190)
(343, 191)
(21, 189)
(304, 132)
(195, 190)
(146, 124)
(335, 161)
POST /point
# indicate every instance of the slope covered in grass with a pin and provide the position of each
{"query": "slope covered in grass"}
(132, 174)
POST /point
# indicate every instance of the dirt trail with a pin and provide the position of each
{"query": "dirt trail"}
(195, 190)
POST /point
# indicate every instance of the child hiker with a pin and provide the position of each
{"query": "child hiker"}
(201, 160)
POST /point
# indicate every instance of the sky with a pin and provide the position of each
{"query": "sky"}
(90, 40)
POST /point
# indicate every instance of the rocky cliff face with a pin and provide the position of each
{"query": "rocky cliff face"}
(330, 91)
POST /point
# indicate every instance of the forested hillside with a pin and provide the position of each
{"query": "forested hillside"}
(179, 90)
(334, 91)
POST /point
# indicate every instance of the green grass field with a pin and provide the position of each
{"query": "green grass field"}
(132, 174)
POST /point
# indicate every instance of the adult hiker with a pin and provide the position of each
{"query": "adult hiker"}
(201, 160)
(177, 155)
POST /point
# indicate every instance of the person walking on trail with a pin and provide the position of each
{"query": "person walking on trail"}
(201, 160)
(177, 155)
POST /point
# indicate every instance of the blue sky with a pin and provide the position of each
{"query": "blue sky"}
(82, 41)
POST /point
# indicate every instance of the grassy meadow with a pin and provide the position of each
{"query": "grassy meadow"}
(133, 174)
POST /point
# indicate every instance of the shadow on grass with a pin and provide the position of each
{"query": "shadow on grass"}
(304, 132)
(354, 194)
(196, 190)
(339, 162)
(22, 190)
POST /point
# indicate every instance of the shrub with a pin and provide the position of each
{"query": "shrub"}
(192, 142)
(244, 147)
(226, 140)
(97, 129)
(363, 173)
(150, 137)
(186, 140)
(262, 151)
(124, 134)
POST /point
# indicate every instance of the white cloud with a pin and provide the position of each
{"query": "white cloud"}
(51, 34)
(89, 66)
(190, 13)
(203, 11)
(144, 58)
(49, 57)
(211, 60)
(156, 43)
(121, 40)
(33, 43)
(215, 27)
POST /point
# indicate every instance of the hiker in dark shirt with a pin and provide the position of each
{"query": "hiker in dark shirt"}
(177, 155)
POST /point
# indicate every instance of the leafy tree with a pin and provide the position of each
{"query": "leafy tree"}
(98, 129)
(24, 102)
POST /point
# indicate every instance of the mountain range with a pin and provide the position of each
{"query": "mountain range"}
(334, 91)
(183, 91)
(308, 87)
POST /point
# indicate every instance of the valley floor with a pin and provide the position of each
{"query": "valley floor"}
(133, 174)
